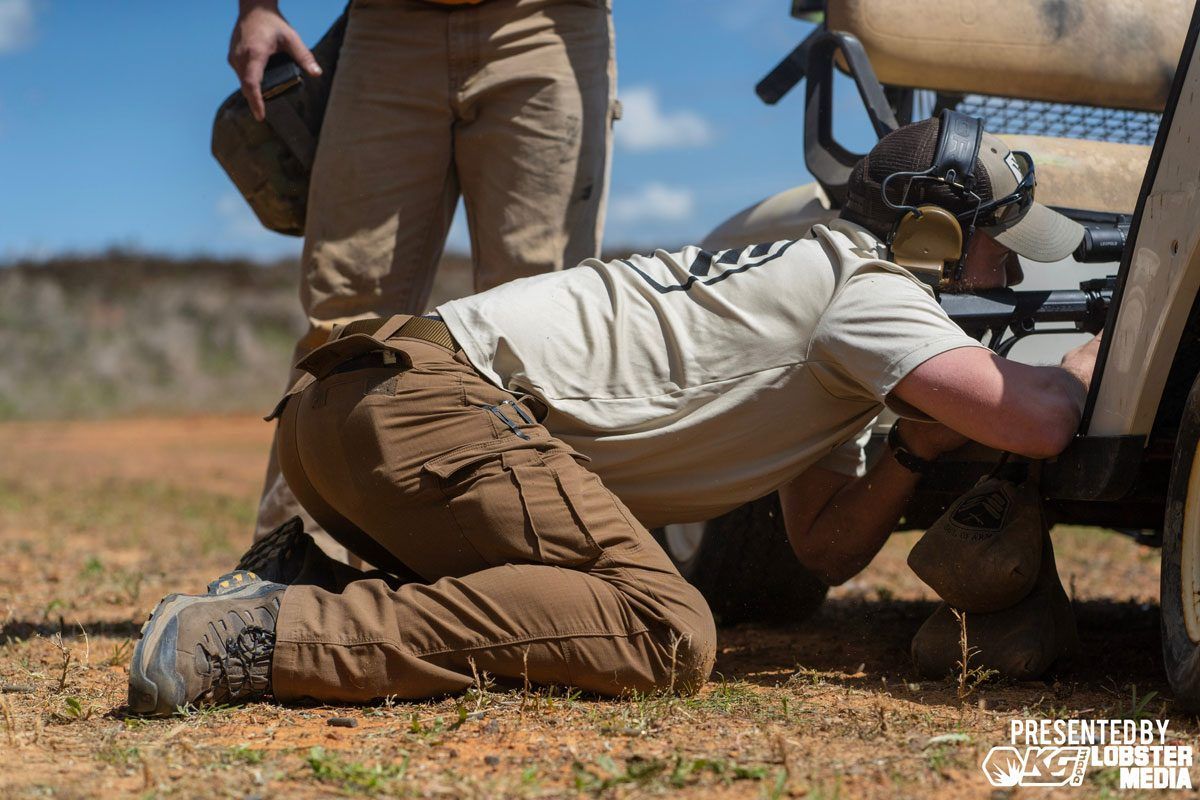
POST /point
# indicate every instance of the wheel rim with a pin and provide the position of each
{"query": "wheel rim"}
(684, 540)
(1189, 583)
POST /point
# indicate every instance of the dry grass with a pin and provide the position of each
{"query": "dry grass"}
(969, 678)
(126, 333)
(98, 520)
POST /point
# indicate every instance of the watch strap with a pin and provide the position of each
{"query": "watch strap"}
(905, 457)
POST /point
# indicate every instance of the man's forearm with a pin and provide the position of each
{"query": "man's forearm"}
(857, 521)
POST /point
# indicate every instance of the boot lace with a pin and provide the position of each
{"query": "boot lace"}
(243, 671)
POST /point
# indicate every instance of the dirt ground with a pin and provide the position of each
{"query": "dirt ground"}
(98, 520)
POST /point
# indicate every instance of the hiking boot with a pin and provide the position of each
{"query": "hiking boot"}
(278, 557)
(206, 649)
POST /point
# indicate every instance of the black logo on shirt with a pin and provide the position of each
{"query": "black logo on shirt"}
(724, 263)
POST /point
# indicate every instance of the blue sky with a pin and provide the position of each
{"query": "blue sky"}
(106, 107)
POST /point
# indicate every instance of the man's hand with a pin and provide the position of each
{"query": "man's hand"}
(260, 32)
(1081, 361)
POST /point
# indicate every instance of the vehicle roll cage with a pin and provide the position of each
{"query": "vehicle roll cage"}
(813, 59)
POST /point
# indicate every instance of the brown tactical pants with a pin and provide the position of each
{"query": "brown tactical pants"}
(519, 562)
(509, 103)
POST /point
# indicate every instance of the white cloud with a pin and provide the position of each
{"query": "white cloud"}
(16, 25)
(654, 202)
(645, 125)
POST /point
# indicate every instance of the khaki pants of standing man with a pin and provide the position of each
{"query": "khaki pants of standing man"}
(509, 102)
(516, 560)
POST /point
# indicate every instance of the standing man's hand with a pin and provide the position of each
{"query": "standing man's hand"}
(260, 32)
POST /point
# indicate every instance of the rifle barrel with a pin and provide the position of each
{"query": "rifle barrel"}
(976, 312)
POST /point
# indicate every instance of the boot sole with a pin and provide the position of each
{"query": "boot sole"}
(271, 547)
(144, 694)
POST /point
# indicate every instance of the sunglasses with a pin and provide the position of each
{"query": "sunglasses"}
(1012, 207)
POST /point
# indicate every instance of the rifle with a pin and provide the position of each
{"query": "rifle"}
(993, 312)
(998, 313)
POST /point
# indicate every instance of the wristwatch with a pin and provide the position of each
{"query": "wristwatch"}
(905, 457)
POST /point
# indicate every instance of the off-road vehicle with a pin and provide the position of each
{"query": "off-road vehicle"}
(1105, 95)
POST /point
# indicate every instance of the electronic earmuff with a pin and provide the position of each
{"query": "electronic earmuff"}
(929, 239)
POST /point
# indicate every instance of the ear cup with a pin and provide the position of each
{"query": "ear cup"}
(927, 241)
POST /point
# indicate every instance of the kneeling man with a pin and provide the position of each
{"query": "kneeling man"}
(500, 463)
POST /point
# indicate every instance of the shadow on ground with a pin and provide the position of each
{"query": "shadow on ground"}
(864, 644)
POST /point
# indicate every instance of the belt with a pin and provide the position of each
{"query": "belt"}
(329, 358)
(428, 329)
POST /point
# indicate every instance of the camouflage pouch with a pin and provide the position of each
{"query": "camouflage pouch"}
(270, 163)
(983, 554)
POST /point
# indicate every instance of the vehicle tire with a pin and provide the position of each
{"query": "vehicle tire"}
(1180, 582)
(743, 565)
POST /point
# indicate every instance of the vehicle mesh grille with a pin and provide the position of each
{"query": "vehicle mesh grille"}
(1010, 115)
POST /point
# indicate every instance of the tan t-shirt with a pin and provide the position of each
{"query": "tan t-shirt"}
(697, 381)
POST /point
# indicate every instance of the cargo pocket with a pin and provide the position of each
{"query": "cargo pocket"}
(514, 508)
(455, 466)
(551, 511)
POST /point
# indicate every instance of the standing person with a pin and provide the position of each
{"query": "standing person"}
(501, 463)
(506, 102)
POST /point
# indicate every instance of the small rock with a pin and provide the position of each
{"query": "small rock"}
(492, 761)
(492, 727)
(948, 738)
(342, 722)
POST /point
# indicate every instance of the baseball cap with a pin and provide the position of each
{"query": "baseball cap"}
(1025, 226)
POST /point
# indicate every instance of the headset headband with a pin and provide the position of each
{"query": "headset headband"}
(959, 140)
(958, 148)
